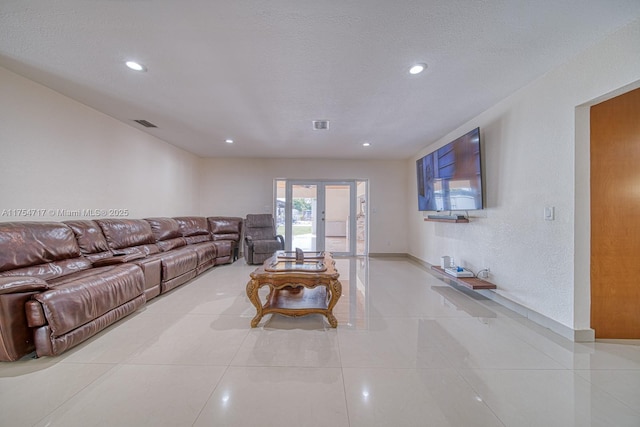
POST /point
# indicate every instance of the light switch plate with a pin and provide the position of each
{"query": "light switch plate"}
(549, 213)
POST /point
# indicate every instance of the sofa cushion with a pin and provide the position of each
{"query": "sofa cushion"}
(51, 270)
(75, 302)
(89, 236)
(223, 248)
(225, 228)
(224, 225)
(126, 233)
(166, 231)
(206, 251)
(24, 244)
(231, 236)
(201, 238)
(177, 262)
(164, 228)
(167, 245)
(12, 284)
(193, 226)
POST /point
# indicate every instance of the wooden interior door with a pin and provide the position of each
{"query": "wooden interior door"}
(615, 217)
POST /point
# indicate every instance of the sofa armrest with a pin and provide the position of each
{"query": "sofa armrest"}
(280, 238)
(18, 284)
(118, 259)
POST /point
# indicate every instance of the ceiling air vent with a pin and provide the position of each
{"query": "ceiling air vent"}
(146, 123)
(321, 124)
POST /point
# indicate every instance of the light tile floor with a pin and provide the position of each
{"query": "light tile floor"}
(409, 351)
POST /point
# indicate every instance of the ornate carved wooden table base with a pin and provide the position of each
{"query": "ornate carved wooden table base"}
(296, 289)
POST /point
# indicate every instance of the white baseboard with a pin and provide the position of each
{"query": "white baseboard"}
(388, 255)
(575, 335)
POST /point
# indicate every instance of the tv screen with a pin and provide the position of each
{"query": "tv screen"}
(450, 178)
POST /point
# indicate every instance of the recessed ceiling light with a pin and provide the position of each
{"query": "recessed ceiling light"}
(366, 144)
(229, 141)
(417, 68)
(136, 66)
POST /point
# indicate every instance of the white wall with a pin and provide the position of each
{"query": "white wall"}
(530, 152)
(57, 154)
(236, 187)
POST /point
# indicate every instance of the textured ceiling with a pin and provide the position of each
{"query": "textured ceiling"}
(261, 71)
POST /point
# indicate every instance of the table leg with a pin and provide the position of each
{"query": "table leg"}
(335, 288)
(252, 293)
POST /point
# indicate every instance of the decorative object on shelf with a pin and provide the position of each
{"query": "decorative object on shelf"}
(445, 262)
(473, 283)
(299, 256)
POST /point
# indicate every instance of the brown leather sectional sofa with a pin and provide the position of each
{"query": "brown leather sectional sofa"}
(63, 282)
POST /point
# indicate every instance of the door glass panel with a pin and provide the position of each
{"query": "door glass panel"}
(337, 218)
(304, 201)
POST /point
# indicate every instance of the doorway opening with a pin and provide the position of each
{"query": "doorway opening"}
(322, 215)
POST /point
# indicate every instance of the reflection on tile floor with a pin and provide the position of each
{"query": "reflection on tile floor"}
(409, 351)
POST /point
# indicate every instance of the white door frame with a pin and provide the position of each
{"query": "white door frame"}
(319, 214)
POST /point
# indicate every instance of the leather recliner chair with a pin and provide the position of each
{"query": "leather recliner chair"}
(260, 238)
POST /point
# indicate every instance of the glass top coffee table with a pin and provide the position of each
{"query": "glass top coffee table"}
(296, 288)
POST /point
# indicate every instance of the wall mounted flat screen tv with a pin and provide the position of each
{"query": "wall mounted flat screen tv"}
(450, 178)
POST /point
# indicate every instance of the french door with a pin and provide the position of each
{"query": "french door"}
(319, 215)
